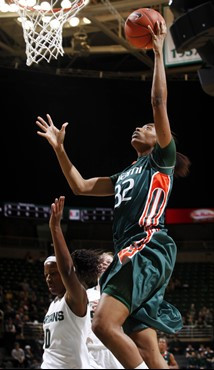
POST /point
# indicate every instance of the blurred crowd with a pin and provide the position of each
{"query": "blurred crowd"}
(200, 318)
(199, 357)
(25, 302)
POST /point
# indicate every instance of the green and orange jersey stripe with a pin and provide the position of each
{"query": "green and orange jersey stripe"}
(156, 200)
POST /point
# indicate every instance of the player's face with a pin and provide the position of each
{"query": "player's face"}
(162, 345)
(106, 260)
(144, 137)
(53, 279)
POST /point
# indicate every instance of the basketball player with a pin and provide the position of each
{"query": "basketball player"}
(133, 287)
(106, 259)
(67, 322)
(102, 356)
(168, 356)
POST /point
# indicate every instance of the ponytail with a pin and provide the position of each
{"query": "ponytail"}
(182, 162)
(182, 165)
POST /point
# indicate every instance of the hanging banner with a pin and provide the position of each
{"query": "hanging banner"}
(171, 56)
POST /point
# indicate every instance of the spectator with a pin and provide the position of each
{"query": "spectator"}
(193, 361)
(189, 350)
(209, 316)
(9, 310)
(18, 322)
(29, 258)
(200, 322)
(9, 335)
(168, 356)
(201, 348)
(18, 356)
(9, 295)
(175, 345)
(29, 357)
(192, 309)
(206, 316)
(209, 355)
(190, 320)
(202, 361)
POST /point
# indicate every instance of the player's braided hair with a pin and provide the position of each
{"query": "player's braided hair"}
(86, 262)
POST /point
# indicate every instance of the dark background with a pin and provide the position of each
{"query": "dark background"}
(102, 114)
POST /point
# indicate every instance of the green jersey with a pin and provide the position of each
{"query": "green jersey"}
(166, 356)
(142, 191)
(144, 253)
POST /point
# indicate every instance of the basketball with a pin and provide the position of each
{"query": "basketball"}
(136, 27)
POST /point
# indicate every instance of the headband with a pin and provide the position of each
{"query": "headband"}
(50, 259)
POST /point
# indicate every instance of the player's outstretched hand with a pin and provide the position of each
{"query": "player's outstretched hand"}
(50, 132)
(56, 212)
(158, 35)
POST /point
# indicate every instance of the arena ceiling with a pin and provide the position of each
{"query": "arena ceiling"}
(95, 49)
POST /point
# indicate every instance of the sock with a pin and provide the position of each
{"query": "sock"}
(142, 366)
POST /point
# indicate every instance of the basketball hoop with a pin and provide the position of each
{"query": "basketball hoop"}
(42, 24)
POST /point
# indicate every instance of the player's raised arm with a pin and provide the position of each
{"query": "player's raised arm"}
(159, 87)
(76, 296)
(97, 186)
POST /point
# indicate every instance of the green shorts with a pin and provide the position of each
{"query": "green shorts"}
(140, 284)
(120, 286)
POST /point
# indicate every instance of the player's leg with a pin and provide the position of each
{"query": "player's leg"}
(147, 343)
(107, 322)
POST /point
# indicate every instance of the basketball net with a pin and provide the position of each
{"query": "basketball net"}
(42, 25)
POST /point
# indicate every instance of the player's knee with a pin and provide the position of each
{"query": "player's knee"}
(150, 355)
(97, 326)
(144, 354)
(100, 328)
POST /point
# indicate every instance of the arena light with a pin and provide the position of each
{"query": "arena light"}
(74, 21)
(13, 8)
(4, 8)
(177, 7)
(86, 20)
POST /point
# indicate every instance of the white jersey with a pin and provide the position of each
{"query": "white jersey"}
(101, 355)
(65, 336)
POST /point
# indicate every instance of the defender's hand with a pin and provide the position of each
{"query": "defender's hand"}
(56, 212)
